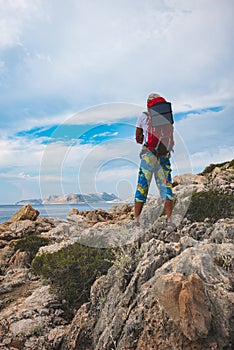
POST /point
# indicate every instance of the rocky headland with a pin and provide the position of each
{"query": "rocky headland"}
(92, 282)
(73, 198)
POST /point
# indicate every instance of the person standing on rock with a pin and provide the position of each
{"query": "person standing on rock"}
(155, 157)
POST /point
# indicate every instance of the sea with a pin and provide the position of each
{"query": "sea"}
(55, 210)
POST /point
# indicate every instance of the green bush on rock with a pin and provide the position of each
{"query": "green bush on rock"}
(31, 245)
(71, 271)
(210, 204)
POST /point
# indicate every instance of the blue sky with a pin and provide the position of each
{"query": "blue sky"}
(75, 75)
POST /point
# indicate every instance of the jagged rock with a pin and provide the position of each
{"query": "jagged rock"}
(56, 246)
(187, 179)
(121, 210)
(195, 317)
(55, 336)
(46, 224)
(184, 301)
(188, 242)
(103, 236)
(223, 231)
(186, 184)
(98, 215)
(61, 230)
(75, 216)
(19, 229)
(5, 253)
(13, 279)
(4, 226)
(24, 228)
(27, 212)
(29, 320)
(91, 216)
(73, 211)
(222, 180)
(221, 177)
(19, 260)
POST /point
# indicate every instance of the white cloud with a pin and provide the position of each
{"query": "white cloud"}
(207, 130)
(91, 52)
(20, 153)
(202, 159)
(208, 138)
(123, 173)
(14, 18)
(105, 113)
(107, 133)
(11, 175)
(45, 121)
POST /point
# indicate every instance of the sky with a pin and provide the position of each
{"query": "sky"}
(75, 76)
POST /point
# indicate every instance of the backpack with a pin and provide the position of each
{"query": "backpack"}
(160, 128)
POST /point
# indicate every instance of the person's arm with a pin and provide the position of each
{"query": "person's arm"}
(139, 135)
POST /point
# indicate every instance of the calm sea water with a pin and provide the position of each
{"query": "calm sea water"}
(53, 210)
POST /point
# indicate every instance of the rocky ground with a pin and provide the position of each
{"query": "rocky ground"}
(159, 292)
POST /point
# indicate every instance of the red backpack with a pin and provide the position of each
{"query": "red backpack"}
(160, 126)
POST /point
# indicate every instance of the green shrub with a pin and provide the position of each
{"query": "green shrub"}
(71, 272)
(210, 204)
(31, 245)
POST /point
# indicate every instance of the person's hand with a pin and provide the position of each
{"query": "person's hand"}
(139, 139)
(139, 135)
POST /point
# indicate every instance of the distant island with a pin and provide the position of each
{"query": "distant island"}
(73, 198)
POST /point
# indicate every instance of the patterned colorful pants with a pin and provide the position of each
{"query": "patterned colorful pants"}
(161, 168)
